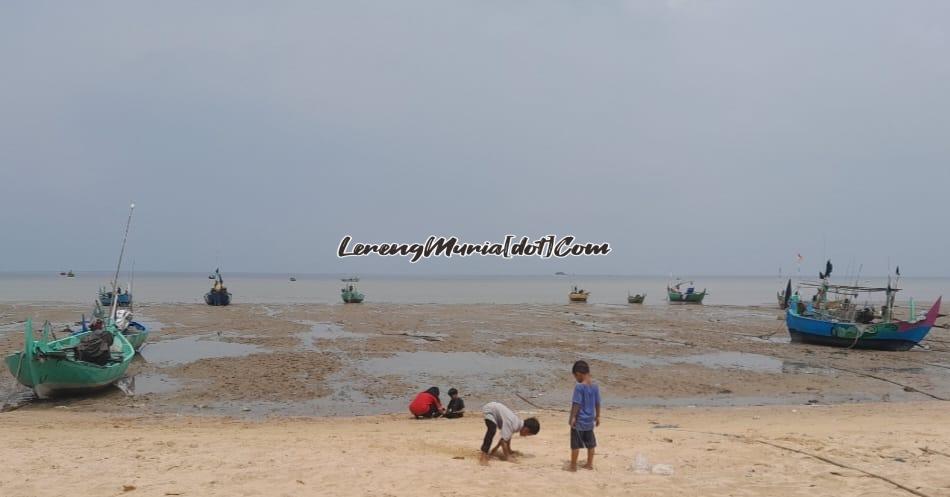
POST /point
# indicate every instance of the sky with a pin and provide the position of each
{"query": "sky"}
(696, 137)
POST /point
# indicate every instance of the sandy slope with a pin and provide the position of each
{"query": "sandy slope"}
(59, 451)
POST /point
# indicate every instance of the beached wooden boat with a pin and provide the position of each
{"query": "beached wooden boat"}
(812, 325)
(219, 294)
(124, 299)
(77, 363)
(690, 296)
(636, 299)
(578, 295)
(349, 293)
(841, 322)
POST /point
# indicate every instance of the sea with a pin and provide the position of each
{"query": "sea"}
(165, 288)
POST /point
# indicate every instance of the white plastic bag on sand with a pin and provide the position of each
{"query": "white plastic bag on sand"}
(640, 464)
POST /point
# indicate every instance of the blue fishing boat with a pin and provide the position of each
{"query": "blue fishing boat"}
(123, 299)
(841, 322)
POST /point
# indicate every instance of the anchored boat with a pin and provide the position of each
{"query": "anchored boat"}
(349, 293)
(690, 296)
(636, 299)
(219, 294)
(841, 322)
(578, 294)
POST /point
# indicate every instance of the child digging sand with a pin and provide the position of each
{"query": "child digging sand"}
(499, 417)
(585, 415)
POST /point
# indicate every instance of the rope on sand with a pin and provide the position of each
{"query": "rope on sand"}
(765, 442)
(809, 454)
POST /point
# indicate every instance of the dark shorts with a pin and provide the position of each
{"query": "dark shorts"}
(582, 439)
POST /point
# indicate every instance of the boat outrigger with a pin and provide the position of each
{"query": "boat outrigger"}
(841, 322)
(349, 293)
(578, 294)
(690, 296)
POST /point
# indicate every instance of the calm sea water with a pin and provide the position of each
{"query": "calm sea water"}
(273, 288)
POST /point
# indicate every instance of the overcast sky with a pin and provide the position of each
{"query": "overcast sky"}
(700, 137)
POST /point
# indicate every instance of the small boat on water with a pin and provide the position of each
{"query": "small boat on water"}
(70, 274)
(349, 293)
(690, 296)
(219, 294)
(578, 295)
(123, 299)
(841, 322)
(293, 279)
(76, 363)
(636, 299)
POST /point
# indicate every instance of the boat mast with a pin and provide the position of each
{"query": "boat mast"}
(118, 267)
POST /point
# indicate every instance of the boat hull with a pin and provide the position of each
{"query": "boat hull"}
(218, 298)
(635, 299)
(51, 375)
(352, 297)
(896, 335)
(687, 298)
(578, 297)
(137, 335)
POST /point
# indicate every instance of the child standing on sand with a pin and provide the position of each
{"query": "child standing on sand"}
(499, 417)
(585, 414)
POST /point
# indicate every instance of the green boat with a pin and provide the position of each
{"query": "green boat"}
(636, 299)
(690, 296)
(349, 293)
(59, 366)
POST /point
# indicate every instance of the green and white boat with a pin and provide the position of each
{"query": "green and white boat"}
(349, 293)
(53, 367)
(690, 296)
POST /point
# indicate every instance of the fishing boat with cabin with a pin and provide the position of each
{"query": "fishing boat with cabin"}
(219, 294)
(690, 296)
(834, 317)
(123, 299)
(349, 293)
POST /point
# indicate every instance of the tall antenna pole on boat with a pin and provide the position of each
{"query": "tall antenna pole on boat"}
(118, 267)
(131, 285)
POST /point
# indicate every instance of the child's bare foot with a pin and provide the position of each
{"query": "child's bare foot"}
(483, 460)
(588, 466)
(572, 467)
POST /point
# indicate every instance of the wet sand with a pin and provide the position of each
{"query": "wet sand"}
(316, 359)
(259, 399)
(726, 451)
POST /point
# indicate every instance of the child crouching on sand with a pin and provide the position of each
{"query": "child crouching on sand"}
(498, 417)
(456, 407)
(585, 414)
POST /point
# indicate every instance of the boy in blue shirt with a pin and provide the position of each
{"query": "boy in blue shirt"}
(585, 414)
